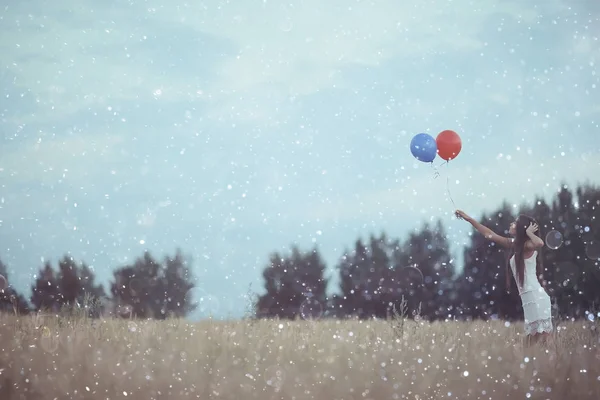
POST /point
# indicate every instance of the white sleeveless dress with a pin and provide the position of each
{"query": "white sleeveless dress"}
(537, 308)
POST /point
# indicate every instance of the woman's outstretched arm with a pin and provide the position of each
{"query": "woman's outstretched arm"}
(484, 230)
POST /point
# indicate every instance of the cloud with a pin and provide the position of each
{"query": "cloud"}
(301, 46)
(54, 160)
(301, 51)
(68, 58)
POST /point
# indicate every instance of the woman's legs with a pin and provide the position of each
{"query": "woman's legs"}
(530, 340)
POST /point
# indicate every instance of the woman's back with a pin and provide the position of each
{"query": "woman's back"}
(530, 276)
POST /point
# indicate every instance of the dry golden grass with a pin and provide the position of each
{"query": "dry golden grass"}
(52, 358)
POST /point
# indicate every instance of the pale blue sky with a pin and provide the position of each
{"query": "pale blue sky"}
(235, 129)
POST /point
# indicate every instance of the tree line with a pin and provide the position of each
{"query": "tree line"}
(147, 288)
(375, 275)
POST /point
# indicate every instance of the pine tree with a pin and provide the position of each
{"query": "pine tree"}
(46, 294)
(71, 287)
(149, 289)
(10, 300)
(295, 286)
(427, 251)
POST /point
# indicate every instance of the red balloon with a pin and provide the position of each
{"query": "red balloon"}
(448, 144)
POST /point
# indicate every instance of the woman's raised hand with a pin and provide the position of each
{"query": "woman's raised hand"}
(532, 228)
(462, 215)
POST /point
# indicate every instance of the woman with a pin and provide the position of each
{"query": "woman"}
(526, 265)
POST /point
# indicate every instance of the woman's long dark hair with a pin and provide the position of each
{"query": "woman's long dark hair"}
(518, 248)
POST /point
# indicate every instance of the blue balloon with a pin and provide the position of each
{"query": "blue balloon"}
(423, 147)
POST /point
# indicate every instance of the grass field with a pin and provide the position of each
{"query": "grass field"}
(46, 357)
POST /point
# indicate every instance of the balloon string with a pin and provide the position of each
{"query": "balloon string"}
(448, 189)
(435, 171)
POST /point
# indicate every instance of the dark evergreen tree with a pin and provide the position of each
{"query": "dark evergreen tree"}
(572, 268)
(45, 292)
(149, 289)
(10, 300)
(366, 279)
(175, 286)
(588, 199)
(72, 286)
(428, 251)
(76, 283)
(295, 286)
